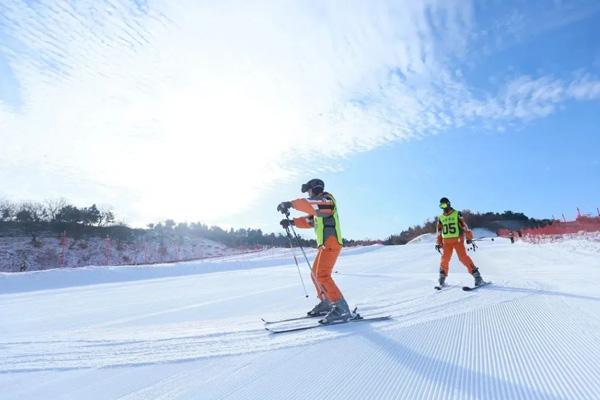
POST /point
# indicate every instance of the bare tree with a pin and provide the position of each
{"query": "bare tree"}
(8, 210)
(36, 211)
(107, 217)
(53, 207)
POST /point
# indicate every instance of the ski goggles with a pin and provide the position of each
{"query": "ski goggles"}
(310, 185)
(443, 206)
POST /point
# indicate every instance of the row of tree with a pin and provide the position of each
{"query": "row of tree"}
(54, 212)
(59, 216)
(489, 220)
(244, 237)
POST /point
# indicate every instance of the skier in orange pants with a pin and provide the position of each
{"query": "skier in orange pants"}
(451, 232)
(323, 217)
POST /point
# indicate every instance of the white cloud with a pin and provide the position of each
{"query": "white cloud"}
(184, 106)
(527, 98)
(189, 109)
(584, 88)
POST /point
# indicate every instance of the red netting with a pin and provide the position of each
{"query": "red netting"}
(582, 223)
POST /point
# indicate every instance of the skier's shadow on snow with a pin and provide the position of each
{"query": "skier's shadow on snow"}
(452, 377)
(540, 292)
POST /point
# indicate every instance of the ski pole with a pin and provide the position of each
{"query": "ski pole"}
(303, 252)
(302, 248)
(289, 236)
(287, 216)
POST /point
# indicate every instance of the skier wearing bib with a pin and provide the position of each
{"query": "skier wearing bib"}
(323, 217)
(451, 232)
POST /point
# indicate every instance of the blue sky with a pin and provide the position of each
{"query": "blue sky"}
(216, 112)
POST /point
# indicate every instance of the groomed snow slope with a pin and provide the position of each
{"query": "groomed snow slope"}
(193, 331)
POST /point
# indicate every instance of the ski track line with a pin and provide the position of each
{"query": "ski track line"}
(170, 387)
(191, 380)
(381, 303)
(456, 361)
(146, 351)
(537, 298)
(323, 383)
(502, 361)
(186, 307)
(75, 354)
(72, 356)
(241, 383)
(399, 313)
(522, 377)
(411, 385)
(452, 303)
(509, 350)
(565, 352)
(505, 363)
(141, 316)
(509, 380)
(280, 384)
(377, 308)
(573, 350)
(67, 355)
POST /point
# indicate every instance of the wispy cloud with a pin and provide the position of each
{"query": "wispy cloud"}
(527, 98)
(185, 108)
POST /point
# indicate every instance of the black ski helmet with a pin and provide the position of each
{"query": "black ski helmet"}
(316, 185)
(444, 200)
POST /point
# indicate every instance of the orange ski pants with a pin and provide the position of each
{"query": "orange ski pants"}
(450, 245)
(322, 268)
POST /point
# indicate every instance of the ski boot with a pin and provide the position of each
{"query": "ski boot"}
(320, 309)
(340, 312)
(477, 276)
(442, 279)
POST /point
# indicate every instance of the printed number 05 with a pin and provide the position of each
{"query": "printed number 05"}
(449, 228)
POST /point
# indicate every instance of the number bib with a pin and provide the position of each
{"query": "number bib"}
(450, 226)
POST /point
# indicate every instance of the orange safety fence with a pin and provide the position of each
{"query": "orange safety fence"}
(582, 223)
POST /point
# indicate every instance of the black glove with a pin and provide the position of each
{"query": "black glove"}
(438, 247)
(469, 241)
(284, 207)
(286, 223)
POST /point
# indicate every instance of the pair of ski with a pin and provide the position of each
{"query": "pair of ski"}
(269, 325)
(465, 288)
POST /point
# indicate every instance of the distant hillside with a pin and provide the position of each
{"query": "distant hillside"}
(35, 236)
(489, 221)
(46, 250)
(26, 246)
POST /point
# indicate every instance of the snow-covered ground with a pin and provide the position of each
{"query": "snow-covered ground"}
(193, 330)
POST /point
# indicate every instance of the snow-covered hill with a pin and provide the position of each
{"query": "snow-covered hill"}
(478, 233)
(424, 238)
(46, 250)
(193, 330)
